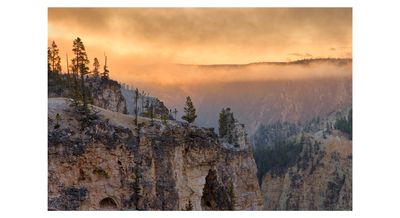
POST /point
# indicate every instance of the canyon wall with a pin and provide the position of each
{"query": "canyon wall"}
(321, 178)
(111, 165)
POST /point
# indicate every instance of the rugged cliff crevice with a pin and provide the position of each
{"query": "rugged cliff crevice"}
(112, 165)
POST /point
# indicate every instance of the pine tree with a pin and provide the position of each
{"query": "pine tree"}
(48, 60)
(136, 98)
(75, 92)
(54, 58)
(68, 76)
(151, 113)
(175, 112)
(345, 124)
(190, 112)
(105, 74)
(222, 123)
(142, 98)
(96, 66)
(350, 123)
(80, 62)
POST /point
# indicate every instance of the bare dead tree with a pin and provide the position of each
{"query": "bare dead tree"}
(142, 98)
(151, 112)
(105, 74)
(136, 105)
(175, 113)
(68, 78)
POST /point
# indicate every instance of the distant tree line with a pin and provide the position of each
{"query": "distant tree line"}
(269, 134)
(277, 158)
(74, 84)
(345, 124)
(276, 148)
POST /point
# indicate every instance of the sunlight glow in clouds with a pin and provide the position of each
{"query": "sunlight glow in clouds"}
(137, 37)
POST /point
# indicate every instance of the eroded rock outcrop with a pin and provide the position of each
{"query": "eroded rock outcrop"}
(107, 94)
(112, 165)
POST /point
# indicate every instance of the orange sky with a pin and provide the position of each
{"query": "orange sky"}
(132, 37)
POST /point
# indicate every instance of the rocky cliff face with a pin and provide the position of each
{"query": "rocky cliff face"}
(321, 179)
(107, 94)
(110, 165)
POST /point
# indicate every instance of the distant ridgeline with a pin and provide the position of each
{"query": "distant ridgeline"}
(108, 94)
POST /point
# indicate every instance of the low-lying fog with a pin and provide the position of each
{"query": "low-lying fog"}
(257, 93)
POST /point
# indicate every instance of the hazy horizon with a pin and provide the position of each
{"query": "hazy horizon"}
(135, 39)
(301, 92)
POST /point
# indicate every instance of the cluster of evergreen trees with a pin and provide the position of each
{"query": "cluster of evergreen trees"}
(345, 124)
(277, 158)
(81, 95)
(80, 61)
(74, 82)
(226, 120)
(54, 60)
(275, 151)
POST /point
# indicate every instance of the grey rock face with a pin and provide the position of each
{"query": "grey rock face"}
(107, 94)
(144, 103)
